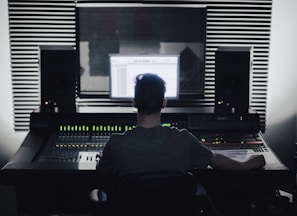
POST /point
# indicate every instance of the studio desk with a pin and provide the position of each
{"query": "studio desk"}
(54, 168)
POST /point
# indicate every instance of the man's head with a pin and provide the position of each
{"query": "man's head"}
(149, 93)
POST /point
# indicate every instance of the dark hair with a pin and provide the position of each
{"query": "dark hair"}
(149, 93)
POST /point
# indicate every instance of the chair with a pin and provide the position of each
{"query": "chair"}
(154, 193)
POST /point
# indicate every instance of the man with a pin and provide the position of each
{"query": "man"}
(151, 147)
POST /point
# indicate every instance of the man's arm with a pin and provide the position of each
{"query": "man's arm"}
(105, 166)
(222, 162)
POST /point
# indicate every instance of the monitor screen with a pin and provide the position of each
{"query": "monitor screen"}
(140, 29)
(125, 68)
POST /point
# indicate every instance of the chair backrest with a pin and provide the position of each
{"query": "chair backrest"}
(155, 193)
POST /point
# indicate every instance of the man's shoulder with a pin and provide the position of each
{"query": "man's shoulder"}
(123, 135)
(116, 135)
(177, 130)
(162, 130)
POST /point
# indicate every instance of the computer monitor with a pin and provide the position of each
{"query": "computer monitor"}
(125, 68)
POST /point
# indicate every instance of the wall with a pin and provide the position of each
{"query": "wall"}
(281, 104)
(9, 140)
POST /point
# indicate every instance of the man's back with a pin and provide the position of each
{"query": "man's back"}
(153, 149)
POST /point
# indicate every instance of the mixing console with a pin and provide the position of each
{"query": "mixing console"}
(59, 155)
(75, 147)
(74, 143)
(230, 141)
(81, 143)
(241, 146)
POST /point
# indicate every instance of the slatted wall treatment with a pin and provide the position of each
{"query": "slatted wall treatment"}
(32, 24)
(242, 23)
(52, 22)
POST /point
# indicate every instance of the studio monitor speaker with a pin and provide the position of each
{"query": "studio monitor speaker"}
(232, 79)
(57, 68)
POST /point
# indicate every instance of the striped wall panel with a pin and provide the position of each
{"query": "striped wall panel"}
(242, 23)
(52, 22)
(31, 24)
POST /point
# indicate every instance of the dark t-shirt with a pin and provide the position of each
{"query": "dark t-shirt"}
(154, 149)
